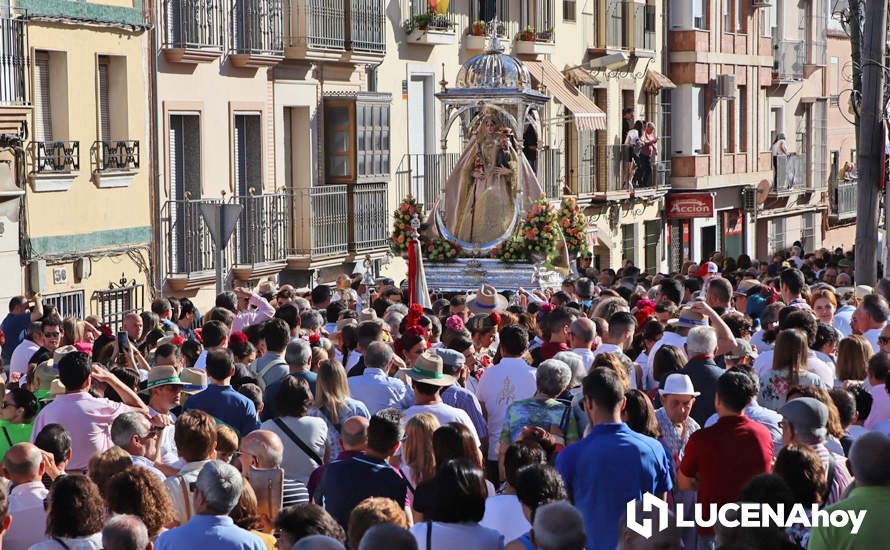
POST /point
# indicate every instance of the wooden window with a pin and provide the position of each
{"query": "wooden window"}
(357, 137)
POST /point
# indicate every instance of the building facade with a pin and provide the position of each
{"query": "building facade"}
(83, 230)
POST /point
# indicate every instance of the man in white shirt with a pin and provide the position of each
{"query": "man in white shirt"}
(510, 380)
(870, 317)
(33, 341)
(23, 466)
(619, 337)
(806, 322)
(582, 333)
(428, 380)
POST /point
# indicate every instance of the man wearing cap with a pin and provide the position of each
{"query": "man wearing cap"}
(165, 395)
(164, 389)
(804, 422)
(708, 271)
(744, 288)
(720, 460)
(458, 396)
(870, 318)
(676, 426)
(428, 380)
(743, 354)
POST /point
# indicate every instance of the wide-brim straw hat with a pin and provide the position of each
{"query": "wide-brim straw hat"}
(486, 301)
(428, 369)
(689, 319)
(164, 375)
(193, 381)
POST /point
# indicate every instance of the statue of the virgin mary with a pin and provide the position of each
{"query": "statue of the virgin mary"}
(485, 197)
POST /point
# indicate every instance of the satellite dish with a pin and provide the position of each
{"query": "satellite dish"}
(762, 192)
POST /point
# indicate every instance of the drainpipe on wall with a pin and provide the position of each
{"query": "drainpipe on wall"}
(156, 250)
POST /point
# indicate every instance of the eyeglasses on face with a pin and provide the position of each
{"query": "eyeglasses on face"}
(883, 340)
(51, 334)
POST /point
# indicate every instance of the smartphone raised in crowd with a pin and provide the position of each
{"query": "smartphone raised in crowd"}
(123, 341)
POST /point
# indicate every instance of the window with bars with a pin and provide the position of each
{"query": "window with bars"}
(628, 242)
(68, 304)
(777, 235)
(114, 304)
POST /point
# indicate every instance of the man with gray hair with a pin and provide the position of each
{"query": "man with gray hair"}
(387, 536)
(552, 377)
(701, 343)
(311, 321)
(125, 532)
(23, 467)
(453, 364)
(576, 365)
(558, 526)
(374, 387)
(218, 491)
(133, 433)
(263, 450)
(297, 355)
(582, 334)
(871, 498)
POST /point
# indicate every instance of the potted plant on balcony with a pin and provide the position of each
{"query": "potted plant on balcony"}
(476, 34)
(429, 28)
(531, 42)
(479, 28)
(527, 34)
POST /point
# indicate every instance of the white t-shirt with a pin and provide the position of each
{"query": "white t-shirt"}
(466, 536)
(758, 343)
(669, 338)
(510, 380)
(445, 413)
(872, 337)
(503, 513)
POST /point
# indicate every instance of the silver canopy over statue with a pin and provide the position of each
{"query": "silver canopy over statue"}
(493, 186)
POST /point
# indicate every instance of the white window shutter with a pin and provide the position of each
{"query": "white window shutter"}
(104, 106)
(43, 128)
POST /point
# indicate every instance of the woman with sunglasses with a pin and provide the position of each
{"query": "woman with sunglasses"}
(16, 418)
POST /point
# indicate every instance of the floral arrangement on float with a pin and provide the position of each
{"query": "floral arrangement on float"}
(537, 237)
(401, 227)
(574, 226)
(442, 250)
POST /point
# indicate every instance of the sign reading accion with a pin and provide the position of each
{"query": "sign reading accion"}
(690, 205)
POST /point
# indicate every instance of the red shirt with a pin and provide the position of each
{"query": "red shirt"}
(549, 349)
(725, 457)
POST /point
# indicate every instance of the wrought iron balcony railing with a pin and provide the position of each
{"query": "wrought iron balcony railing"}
(422, 176)
(317, 24)
(550, 172)
(258, 27)
(120, 155)
(56, 156)
(262, 231)
(320, 219)
(193, 24)
(369, 212)
(189, 246)
(13, 61)
(367, 26)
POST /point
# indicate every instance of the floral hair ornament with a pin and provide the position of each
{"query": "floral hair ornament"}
(415, 312)
(314, 339)
(179, 340)
(238, 338)
(495, 318)
(454, 323)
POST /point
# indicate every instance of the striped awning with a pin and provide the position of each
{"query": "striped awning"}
(656, 81)
(586, 115)
(579, 76)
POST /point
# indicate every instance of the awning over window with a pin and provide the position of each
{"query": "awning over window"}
(579, 76)
(586, 115)
(656, 81)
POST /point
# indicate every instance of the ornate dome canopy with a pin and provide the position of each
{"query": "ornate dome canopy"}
(494, 70)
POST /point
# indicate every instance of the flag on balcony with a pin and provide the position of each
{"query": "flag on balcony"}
(417, 291)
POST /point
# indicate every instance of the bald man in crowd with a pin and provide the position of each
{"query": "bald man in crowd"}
(353, 442)
(263, 450)
(23, 466)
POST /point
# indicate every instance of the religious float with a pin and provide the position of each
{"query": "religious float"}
(488, 221)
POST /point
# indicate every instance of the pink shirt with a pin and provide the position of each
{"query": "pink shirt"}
(880, 407)
(88, 419)
(263, 312)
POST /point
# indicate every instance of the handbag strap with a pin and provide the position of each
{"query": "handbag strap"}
(6, 435)
(299, 442)
(186, 498)
(429, 534)
(62, 543)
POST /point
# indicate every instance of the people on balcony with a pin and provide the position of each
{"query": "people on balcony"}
(648, 150)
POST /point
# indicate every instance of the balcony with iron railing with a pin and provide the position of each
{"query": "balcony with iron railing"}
(369, 217)
(536, 34)
(114, 162)
(326, 29)
(257, 37)
(261, 234)
(425, 26)
(551, 175)
(319, 223)
(13, 62)
(618, 175)
(422, 175)
(192, 31)
(844, 200)
(790, 175)
(789, 59)
(188, 244)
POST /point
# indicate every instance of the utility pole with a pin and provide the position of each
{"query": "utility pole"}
(871, 142)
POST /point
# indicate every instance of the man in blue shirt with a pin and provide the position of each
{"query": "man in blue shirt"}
(17, 321)
(218, 490)
(374, 387)
(611, 466)
(348, 482)
(298, 355)
(219, 400)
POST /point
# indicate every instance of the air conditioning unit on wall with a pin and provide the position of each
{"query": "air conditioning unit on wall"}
(726, 88)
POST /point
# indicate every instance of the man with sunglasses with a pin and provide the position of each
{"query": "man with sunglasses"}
(133, 433)
(51, 328)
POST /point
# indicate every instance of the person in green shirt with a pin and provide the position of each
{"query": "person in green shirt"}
(868, 459)
(16, 418)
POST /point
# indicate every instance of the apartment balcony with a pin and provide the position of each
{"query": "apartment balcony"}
(644, 30)
(532, 42)
(615, 175)
(429, 28)
(13, 62)
(551, 175)
(789, 61)
(336, 30)
(844, 200)
(791, 176)
(319, 231)
(422, 176)
(257, 33)
(261, 235)
(192, 30)
(189, 251)
(370, 217)
(54, 164)
(114, 163)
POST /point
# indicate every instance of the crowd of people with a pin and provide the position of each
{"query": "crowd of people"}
(344, 417)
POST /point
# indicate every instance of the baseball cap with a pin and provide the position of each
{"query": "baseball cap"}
(807, 416)
(708, 267)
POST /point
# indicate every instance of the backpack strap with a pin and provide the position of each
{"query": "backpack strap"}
(298, 442)
(186, 497)
(429, 534)
(831, 474)
(6, 435)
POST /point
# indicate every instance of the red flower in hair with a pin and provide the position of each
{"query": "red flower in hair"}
(485, 361)
(177, 340)
(198, 336)
(106, 331)
(645, 303)
(415, 331)
(454, 323)
(643, 314)
(314, 339)
(547, 307)
(415, 312)
(495, 318)
(238, 338)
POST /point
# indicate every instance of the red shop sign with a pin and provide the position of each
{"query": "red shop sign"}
(690, 205)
